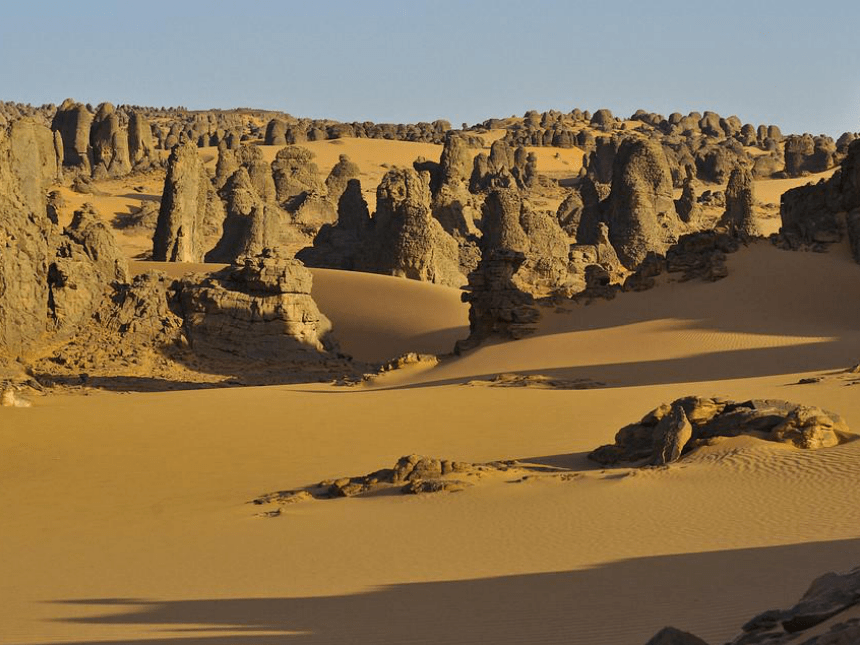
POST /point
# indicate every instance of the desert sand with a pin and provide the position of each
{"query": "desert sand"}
(126, 515)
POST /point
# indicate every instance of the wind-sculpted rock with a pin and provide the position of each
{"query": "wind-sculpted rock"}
(191, 215)
(87, 262)
(109, 144)
(739, 217)
(250, 225)
(503, 168)
(259, 309)
(509, 223)
(73, 122)
(670, 431)
(687, 207)
(276, 133)
(141, 147)
(295, 174)
(409, 241)
(497, 307)
(341, 174)
(641, 212)
(340, 245)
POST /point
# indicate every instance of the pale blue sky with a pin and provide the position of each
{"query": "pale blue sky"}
(796, 64)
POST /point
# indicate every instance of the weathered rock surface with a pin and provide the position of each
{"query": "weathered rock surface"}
(497, 307)
(341, 174)
(109, 144)
(86, 264)
(73, 122)
(409, 241)
(261, 309)
(191, 215)
(341, 245)
(739, 217)
(641, 212)
(295, 174)
(666, 433)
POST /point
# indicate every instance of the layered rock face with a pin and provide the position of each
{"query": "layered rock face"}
(666, 433)
(641, 212)
(739, 218)
(191, 214)
(260, 309)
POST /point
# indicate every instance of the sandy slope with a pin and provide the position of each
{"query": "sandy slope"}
(125, 515)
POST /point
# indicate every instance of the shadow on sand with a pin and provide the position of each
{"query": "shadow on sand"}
(711, 593)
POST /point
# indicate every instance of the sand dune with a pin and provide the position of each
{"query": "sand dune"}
(167, 550)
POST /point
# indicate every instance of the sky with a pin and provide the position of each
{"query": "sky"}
(794, 64)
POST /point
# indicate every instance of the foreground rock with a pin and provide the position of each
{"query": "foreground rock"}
(668, 432)
(826, 598)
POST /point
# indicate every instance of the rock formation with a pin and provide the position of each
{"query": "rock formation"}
(341, 245)
(250, 224)
(409, 242)
(739, 218)
(666, 433)
(686, 206)
(73, 122)
(260, 309)
(109, 144)
(87, 262)
(191, 214)
(341, 174)
(497, 307)
(276, 133)
(295, 174)
(141, 147)
(641, 212)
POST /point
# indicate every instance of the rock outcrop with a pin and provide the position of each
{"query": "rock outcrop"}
(260, 309)
(109, 143)
(87, 262)
(666, 433)
(641, 212)
(250, 224)
(341, 174)
(141, 147)
(73, 122)
(295, 175)
(409, 241)
(341, 245)
(739, 217)
(191, 214)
